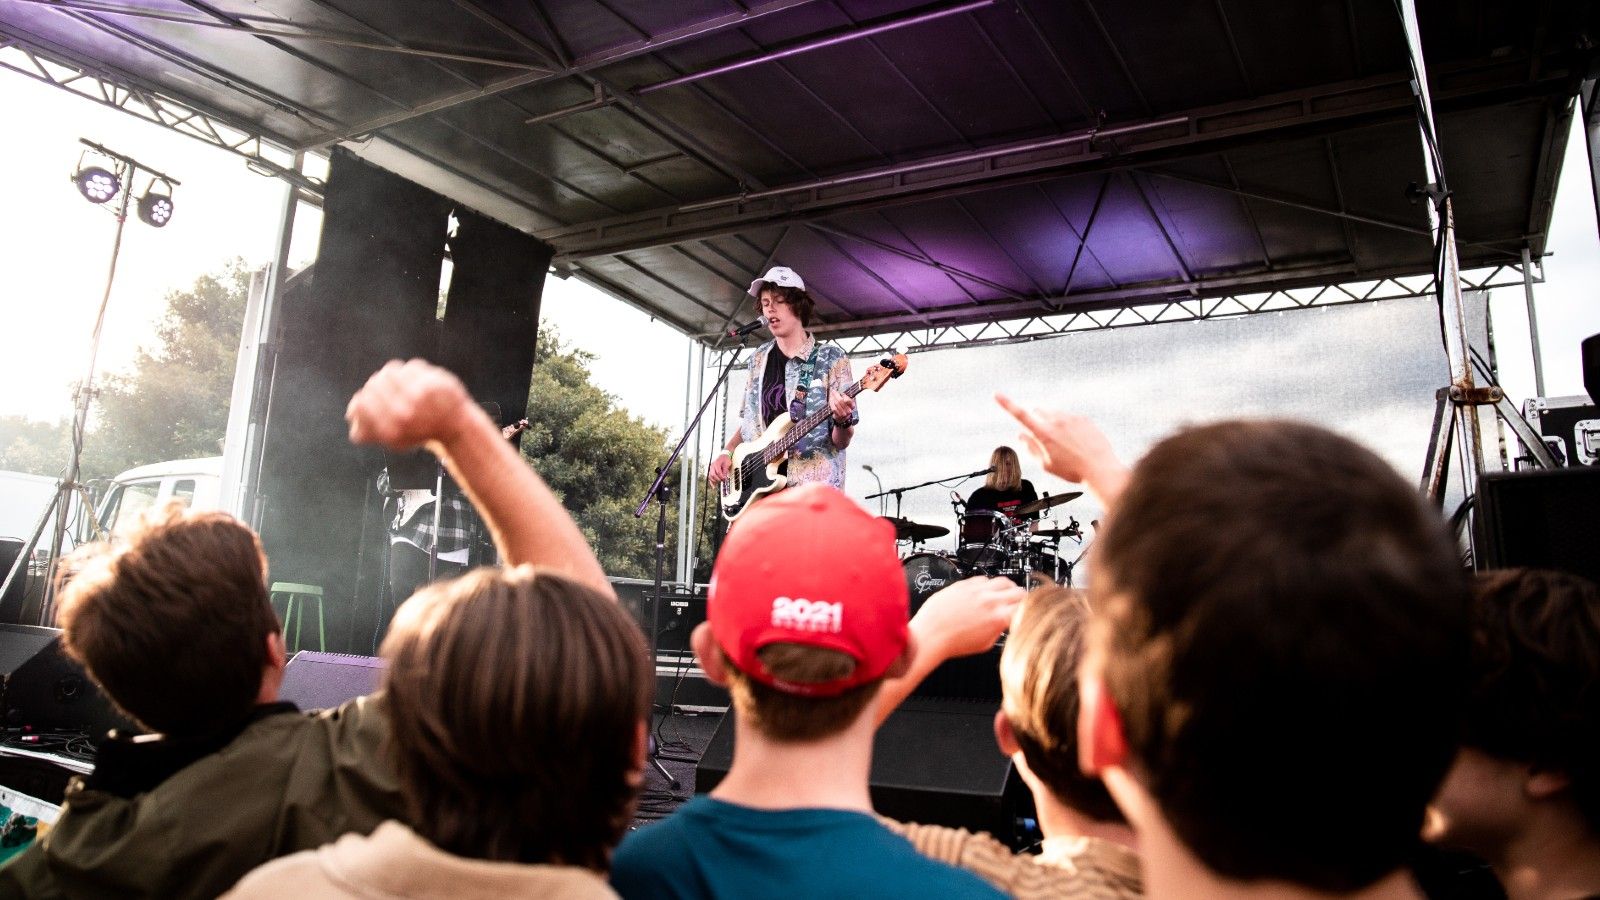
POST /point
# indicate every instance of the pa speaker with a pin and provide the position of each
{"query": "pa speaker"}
(1544, 519)
(46, 690)
(315, 680)
(934, 761)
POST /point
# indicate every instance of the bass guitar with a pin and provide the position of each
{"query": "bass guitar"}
(760, 466)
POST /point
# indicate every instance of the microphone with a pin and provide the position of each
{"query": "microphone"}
(743, 330)
(867, 467)
(955, 500)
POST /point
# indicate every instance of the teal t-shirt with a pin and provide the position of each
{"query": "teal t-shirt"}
(711, 848)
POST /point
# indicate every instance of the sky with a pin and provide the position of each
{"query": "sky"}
(54, 249)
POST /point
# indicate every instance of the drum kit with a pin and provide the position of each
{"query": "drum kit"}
(988, 543)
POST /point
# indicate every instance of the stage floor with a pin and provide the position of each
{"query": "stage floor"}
(683, 739)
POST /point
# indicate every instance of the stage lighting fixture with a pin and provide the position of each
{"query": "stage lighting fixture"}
(155, 208)
(97, 184)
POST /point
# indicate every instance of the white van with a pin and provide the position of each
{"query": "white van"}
(195, 482)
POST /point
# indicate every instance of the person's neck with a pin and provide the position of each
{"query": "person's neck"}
(830, 773)
(1171, 871)
(791, 344)
(1555, 857)
(1059, 821)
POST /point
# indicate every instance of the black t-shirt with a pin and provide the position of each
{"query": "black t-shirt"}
(774, 393)
(1004, 501)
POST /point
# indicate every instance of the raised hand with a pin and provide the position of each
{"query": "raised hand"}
(405, 405)
(966, 617)
(1069, 447)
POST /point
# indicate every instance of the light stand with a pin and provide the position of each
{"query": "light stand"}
(128, 169)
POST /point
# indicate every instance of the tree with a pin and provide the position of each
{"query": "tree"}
(598, 458)
(173, 403)
(38, 448)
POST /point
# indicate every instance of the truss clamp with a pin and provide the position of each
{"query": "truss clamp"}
(1435, 193)
(1477, 396)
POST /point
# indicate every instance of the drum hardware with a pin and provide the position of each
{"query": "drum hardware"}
(985, 539)
(907, 530)
(1046, 502)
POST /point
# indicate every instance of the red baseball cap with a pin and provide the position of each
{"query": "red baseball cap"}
(809, 566)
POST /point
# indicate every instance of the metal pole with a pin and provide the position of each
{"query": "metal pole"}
(1442, 221)
(269, 342)
(80, 420)
(688, 482)
(1533, 324)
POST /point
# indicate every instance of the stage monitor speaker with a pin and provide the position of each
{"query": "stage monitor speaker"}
(933, 762)
(315, 680)
(46, 690)
(1543, 519)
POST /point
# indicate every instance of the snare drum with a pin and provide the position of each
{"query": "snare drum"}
(927, 573)
(985, 539)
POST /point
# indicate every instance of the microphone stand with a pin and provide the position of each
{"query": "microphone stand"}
(898, 491)
(658, 492)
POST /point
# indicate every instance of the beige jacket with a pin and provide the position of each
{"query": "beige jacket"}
(395, 863)
(1066, 868)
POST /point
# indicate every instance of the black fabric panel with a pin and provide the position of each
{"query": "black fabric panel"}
(372, 298)
(491, 316)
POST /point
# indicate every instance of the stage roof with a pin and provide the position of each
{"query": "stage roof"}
(920, 164)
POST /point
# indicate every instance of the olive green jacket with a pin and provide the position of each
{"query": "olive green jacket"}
(289, 781)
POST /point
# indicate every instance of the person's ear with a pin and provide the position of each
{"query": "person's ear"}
(1004, 736)
(1542, 784)
(707, 655)
(902, 663)
(1102, 742)
(277, 653)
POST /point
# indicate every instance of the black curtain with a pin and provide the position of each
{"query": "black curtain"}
(372, 298)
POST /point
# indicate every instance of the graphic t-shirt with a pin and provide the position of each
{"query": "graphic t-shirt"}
(1003, 501)
(774, 393)
(711, 848)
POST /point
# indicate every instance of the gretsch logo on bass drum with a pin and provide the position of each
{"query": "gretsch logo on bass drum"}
(927, 579)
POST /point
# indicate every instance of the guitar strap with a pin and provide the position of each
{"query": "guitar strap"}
(797, 406)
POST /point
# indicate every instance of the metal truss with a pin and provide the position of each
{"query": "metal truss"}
(1121, 146)
(260, 152)
(1043, 327)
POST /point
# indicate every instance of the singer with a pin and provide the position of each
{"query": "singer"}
(1004, 490)
(797, 374)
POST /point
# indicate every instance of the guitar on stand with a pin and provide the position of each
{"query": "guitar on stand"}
(760, 466)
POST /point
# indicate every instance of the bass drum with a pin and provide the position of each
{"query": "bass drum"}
(927, 573)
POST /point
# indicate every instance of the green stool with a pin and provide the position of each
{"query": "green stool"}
(295, 596)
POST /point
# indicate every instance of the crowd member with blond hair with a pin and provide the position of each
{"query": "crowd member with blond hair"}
(1087, 852)
(806, 617)
(175, 626)
(1524, 792)
(1276, 666)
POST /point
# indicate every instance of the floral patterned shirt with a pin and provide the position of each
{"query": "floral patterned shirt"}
(814, 458)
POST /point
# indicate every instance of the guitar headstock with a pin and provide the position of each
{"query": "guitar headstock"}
(885, 369)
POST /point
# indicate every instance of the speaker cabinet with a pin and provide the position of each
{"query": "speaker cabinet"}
(315, 680)
(934, 761)
(46, 690)
(1544, 519)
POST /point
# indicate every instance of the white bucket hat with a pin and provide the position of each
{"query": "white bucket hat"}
(782, 276)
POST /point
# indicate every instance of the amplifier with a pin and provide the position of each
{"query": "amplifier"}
(1570, 427)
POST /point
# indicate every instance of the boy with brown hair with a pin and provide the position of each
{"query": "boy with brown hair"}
(1524, 792)
(179, 611)
(517, 701)
(1276, 666)
(1087, 851)
(806, 616)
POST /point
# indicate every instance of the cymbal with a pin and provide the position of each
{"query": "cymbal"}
(1044, 504)
(907, 530)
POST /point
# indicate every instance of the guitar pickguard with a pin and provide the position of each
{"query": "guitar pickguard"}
(749, 480)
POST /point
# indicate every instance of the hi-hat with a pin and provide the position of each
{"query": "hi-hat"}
(907, 530)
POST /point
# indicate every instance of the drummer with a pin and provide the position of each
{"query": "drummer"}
(1005, 489)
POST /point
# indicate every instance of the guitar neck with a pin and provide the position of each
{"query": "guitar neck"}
(802, 428)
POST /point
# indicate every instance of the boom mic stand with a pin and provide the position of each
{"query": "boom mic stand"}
(658, 492)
